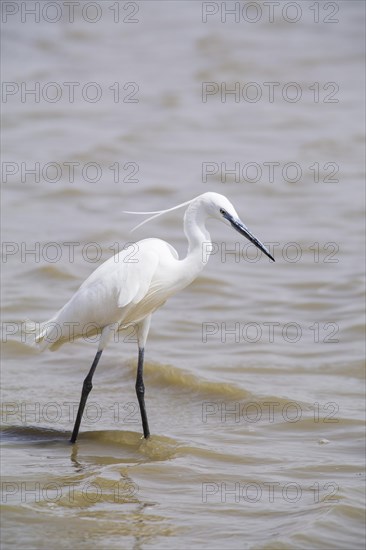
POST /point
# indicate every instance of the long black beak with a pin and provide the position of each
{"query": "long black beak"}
(243, 230)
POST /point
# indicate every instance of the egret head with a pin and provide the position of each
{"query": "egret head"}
(219, 207)
(211, 205)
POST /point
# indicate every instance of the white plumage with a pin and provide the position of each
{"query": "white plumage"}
(130, 286)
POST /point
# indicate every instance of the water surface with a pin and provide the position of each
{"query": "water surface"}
(254, 374)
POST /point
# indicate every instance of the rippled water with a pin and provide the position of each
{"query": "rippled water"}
(254, 374)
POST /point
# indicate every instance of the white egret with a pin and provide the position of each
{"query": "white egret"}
(129, 287)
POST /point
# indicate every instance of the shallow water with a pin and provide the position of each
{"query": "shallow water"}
(255, 373)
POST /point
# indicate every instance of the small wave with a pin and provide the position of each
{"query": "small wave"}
(20, 434)
(156, 448)
(51, 271)
(65, 192)
(167, 375)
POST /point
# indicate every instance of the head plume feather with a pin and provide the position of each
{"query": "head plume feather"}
(156, 213)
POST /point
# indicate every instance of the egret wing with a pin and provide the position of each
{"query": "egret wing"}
(137, 277)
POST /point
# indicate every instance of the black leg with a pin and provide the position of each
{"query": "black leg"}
(87, 387)
(140, 392)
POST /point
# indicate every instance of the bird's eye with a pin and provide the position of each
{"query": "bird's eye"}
(222, 211)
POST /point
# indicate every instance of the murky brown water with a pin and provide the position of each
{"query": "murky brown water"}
(254, 374)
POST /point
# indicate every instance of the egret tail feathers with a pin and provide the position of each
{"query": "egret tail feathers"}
(41, 335)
